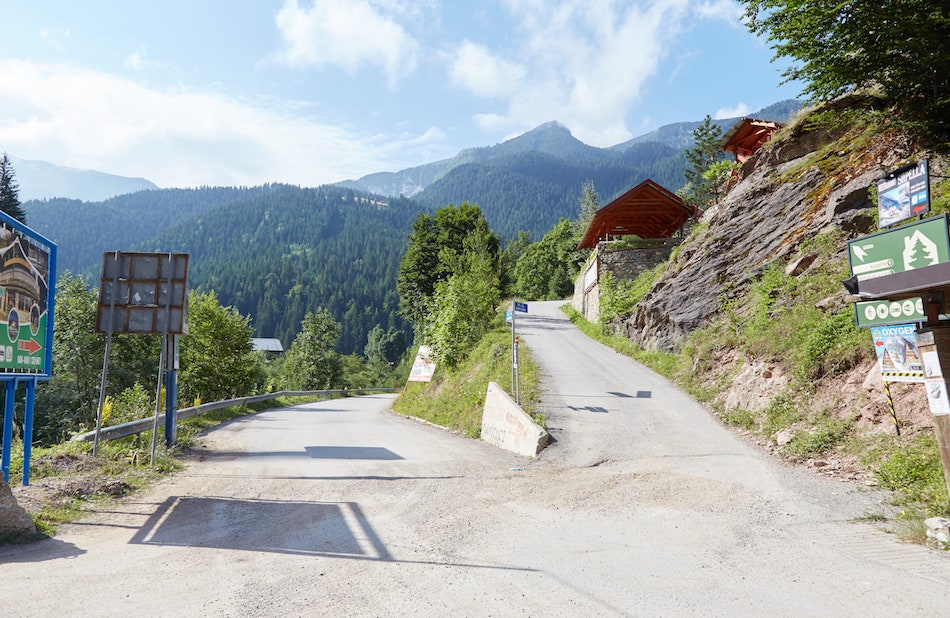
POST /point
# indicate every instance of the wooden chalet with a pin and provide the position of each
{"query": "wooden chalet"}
(648, 211)
(747, 136)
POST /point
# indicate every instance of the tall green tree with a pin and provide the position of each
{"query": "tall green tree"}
(464, 308)
(701, 189)
(217, 357)
(546, 269)
(68, 402)
(385, 346)
(899, 47)
(311, 362)
(590, 204)
(10, 191)
(436, 250)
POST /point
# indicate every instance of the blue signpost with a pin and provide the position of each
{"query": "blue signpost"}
(27, 292)
(517, 307)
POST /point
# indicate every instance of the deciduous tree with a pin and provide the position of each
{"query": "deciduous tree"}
(217, 357)
(901, 47)
(311, 362)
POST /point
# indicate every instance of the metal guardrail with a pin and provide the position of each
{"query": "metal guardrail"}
(146, 424)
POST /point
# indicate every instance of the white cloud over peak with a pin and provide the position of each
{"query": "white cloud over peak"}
(582, 62)
(740, 109)
(476, 69)
(347, 34)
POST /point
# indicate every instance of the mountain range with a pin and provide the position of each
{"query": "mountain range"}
(552, 139)
(41, 180)
(275, 252)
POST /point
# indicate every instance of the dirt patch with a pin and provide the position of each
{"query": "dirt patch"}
(61, 479)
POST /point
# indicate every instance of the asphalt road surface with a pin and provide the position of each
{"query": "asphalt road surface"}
(644, 506)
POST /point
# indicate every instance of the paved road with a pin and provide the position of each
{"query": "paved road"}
(643, 506)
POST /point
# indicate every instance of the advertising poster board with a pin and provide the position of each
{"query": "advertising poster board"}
(27, 285)
(424, 367)
(897, 353)
(904, 193)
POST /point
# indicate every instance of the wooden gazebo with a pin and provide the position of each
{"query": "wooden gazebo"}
(747, 136)
(647, 210)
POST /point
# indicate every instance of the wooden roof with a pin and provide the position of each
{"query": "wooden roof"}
(747, 136)
(647, 210)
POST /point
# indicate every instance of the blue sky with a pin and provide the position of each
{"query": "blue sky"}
(241, 92)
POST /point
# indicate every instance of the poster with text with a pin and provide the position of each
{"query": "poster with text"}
(26, 334)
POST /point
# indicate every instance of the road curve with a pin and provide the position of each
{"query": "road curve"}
(643, 506)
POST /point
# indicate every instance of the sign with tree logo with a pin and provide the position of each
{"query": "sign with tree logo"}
(912, 246)
(27, 272)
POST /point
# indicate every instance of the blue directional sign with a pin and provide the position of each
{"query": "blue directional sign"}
(521, 307)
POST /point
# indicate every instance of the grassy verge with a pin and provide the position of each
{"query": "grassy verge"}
(455, 398)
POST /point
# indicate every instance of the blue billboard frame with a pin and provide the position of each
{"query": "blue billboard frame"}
(30, 262)
(37, 246)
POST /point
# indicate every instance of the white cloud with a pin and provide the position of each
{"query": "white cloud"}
(475, 69)
(347, 34)
(582, 62)
(91, 120)
(740, 109)
(54, 37)
(726, 10)
(138, 60)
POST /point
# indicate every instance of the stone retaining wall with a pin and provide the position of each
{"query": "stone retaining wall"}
(624, 264)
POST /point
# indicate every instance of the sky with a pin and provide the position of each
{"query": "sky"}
(193, 93)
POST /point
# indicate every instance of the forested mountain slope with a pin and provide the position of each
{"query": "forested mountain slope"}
(84, 230)
(530, 181)
(531, 190)
(277, 256)
(274, 252)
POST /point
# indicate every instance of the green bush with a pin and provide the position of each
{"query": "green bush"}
(913, 470)
(824, 436)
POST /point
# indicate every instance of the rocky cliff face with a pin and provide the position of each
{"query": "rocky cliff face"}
(794, 188)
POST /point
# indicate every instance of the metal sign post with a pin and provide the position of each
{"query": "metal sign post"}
(516, 307)
(146, 293)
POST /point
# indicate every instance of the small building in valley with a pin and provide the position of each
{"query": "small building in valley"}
(629, 236)
(270, 346)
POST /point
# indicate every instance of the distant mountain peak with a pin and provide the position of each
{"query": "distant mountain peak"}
(41, 180)
(552, 125)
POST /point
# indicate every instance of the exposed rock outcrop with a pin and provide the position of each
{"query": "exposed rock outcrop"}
(14, 520)
(789, 191)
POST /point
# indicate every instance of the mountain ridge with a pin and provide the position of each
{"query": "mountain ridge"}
(551, 138)
(40, 180)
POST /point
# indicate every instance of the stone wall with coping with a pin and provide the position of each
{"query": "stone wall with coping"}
(625, 263)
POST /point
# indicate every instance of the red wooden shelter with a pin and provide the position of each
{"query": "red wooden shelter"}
(747, 136)
(647, 210)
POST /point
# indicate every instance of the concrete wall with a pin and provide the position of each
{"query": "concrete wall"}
(506, 425)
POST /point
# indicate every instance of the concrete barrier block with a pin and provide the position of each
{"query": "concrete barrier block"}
(506, 425)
